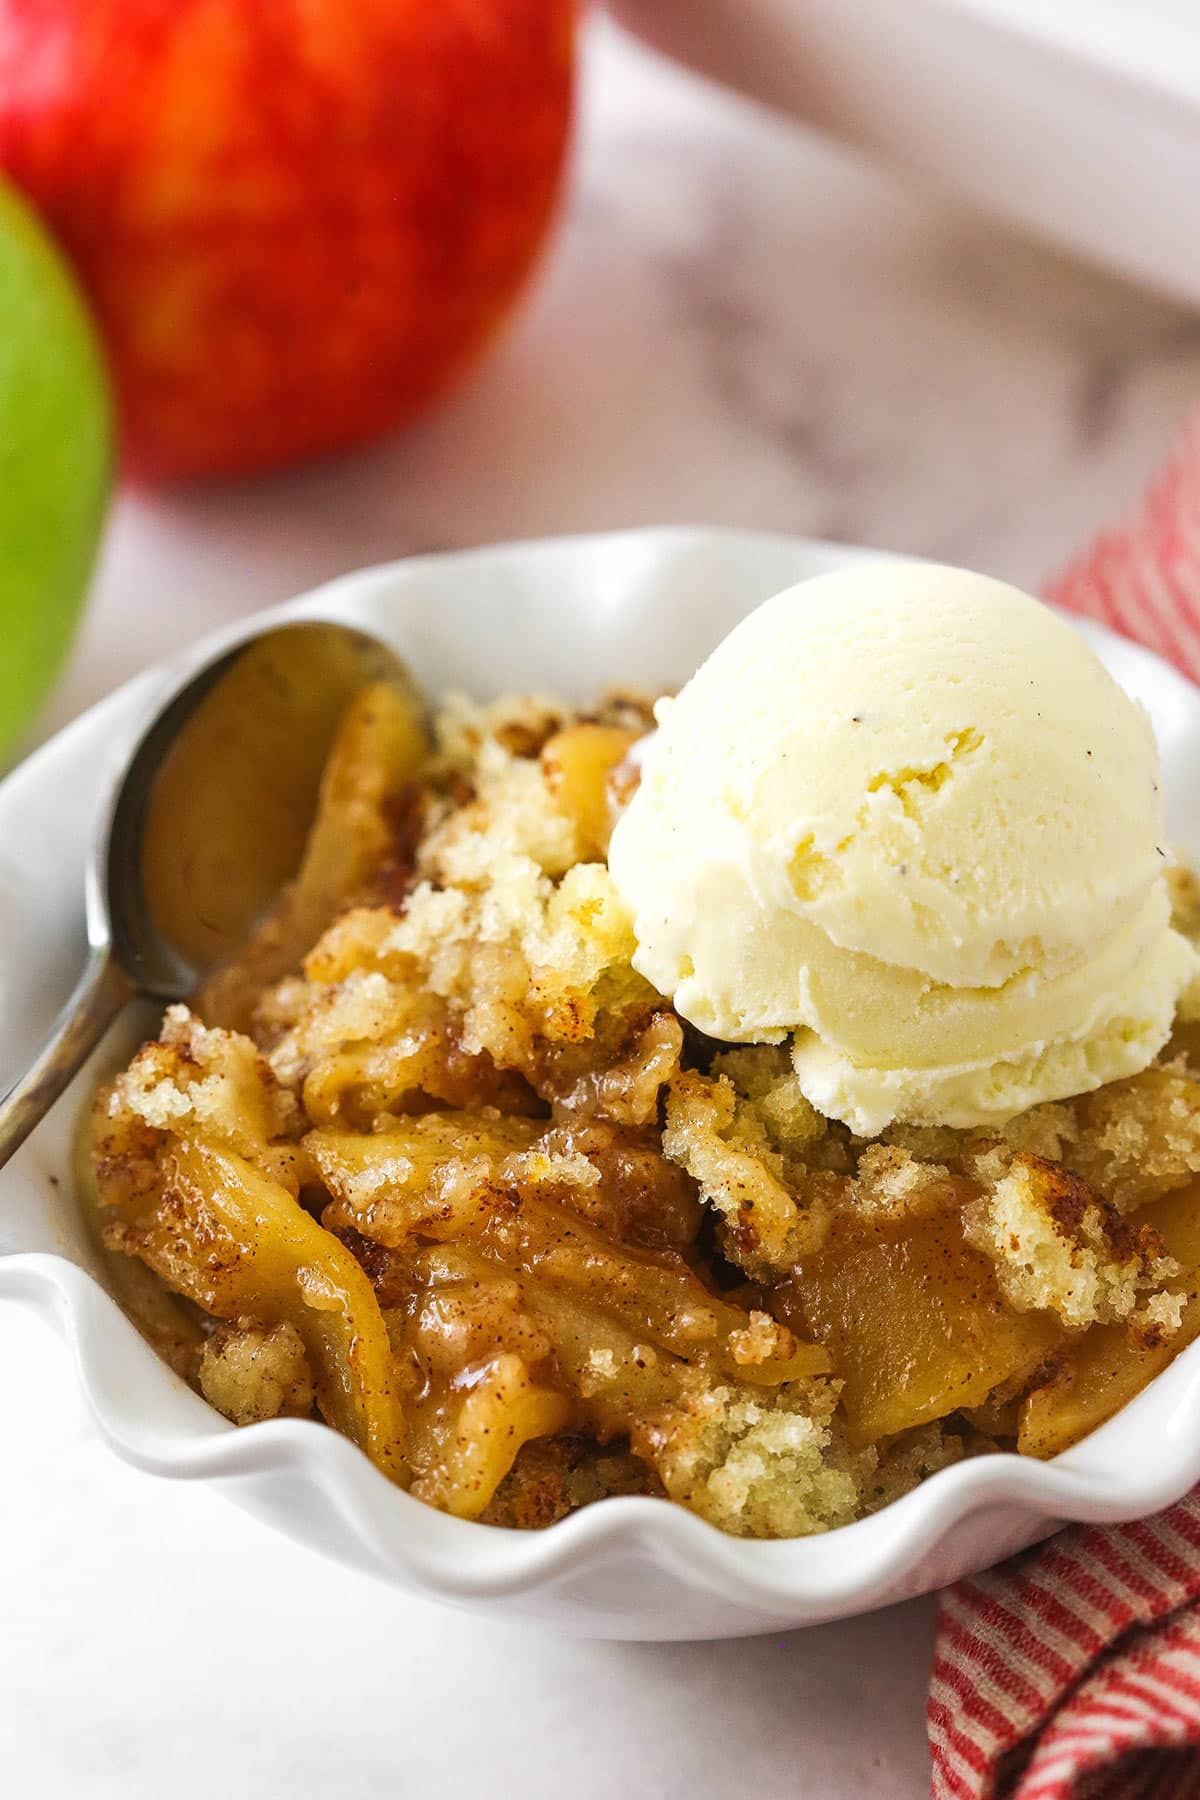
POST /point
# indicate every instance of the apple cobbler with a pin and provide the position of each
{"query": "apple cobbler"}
(428, 1159)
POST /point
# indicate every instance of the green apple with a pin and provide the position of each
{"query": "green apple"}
(55, 459)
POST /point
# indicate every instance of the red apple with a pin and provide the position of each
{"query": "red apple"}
(298, 220)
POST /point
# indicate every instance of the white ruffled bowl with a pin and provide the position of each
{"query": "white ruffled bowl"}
(571, 616)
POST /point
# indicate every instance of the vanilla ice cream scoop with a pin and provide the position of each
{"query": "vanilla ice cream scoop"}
(903, 814)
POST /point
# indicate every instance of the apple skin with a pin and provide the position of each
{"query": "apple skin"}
(55, 458)
(298, 220)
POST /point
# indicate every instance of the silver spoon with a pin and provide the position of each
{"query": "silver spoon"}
(207, 821)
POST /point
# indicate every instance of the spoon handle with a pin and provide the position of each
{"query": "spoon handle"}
(99, 995)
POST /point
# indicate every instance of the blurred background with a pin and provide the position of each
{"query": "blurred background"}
(734, 319)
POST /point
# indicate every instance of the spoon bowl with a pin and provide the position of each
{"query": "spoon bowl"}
(207, 821)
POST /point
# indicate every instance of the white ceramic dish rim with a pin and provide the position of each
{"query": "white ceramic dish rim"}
(1142, 1460)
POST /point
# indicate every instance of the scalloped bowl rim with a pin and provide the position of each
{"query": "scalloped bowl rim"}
(1142, 1460)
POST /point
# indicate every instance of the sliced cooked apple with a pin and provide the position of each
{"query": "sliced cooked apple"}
(239, 1245)
(577, 764)
(915, 1323)
(1111, 1364)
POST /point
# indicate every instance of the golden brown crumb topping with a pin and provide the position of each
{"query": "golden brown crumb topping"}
(431, 1160)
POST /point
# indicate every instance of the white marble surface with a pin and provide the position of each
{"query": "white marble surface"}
(737, 324)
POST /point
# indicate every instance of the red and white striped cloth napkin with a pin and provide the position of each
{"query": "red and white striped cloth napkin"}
(1144, 578)
(1073, 1671)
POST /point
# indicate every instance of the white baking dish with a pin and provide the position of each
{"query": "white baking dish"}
(569, 616)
